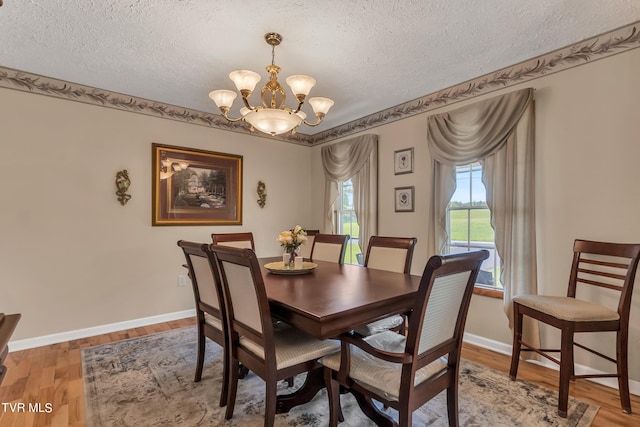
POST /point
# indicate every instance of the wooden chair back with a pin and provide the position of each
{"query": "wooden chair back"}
(438, 318)
(306, 248)
(329, 247)
(605, 265)
(234, 240)
(201, 272)
(390, 253)
(246, 303)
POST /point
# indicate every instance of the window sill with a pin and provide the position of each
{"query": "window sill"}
(488, 292)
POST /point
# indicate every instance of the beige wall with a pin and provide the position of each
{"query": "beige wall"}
(587, 175)
(71, 257)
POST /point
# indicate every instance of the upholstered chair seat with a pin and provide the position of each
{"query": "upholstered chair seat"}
(215, 322)
(391, 322)
(293, 347)
(377, 375)
(567, 308)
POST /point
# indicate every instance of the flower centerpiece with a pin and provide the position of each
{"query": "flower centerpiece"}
(291, 240)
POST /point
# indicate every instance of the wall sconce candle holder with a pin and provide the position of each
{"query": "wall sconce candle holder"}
(122, 184)
(262, 194)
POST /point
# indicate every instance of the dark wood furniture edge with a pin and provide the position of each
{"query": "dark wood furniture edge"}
(8, 323)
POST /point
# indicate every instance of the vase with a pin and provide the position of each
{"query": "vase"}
(292, 253)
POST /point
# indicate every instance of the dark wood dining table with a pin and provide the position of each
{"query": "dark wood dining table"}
(334, 299)
(331, 300)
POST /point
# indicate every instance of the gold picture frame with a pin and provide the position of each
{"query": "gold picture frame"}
(195, 187)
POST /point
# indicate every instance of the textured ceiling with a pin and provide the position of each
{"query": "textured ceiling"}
(365, 55)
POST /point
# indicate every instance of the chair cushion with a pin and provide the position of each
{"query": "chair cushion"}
(380, 376)
(566, 308)
(381, 325)
(213, 321)
(293, 347)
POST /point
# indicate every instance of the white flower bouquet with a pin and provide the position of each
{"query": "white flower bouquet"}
(291, 240)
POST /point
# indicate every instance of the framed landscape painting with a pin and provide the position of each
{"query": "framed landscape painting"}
(195, 187)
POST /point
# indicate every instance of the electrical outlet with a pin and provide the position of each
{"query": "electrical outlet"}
(182, 281)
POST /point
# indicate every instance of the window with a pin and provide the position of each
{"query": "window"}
(347, 223)
(469, 224)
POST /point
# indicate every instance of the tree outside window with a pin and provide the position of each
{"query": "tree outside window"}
(348, 223)
(469, 223)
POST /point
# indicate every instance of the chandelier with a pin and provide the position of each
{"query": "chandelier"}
(272, 117)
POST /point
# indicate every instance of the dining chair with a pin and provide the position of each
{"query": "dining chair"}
(270, 353)
(329, 247)
(210, 318)
(8, 323)
(404, 372)
(389, 254)
(608, 266)
(305, 250)
(235, 240)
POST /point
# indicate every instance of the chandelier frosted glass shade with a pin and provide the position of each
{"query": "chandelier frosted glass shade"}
(300, 84)
(244, 79)
(223, 98)
(320, 105)
(273, 121)
(272, 118)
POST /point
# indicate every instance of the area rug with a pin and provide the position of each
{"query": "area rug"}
(148, 381)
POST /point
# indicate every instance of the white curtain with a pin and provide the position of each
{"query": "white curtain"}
(498, 133)
(355, 159)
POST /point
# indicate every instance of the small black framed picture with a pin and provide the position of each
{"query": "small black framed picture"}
(403, 161)
(404, 199)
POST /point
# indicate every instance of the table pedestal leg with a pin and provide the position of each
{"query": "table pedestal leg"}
(312, 385)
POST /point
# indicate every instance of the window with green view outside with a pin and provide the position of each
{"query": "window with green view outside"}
(347, 222)
(469, 223)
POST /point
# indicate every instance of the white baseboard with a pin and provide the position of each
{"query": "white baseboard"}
(97, 330)
(499, 347)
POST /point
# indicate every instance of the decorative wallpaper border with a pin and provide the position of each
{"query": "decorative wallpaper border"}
(599, 47)
(611, 43)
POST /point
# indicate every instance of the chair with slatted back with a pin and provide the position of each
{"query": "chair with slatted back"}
(329, 247)
(389, 254)
(606, 269)
(305, 250)
(235, 240)
(404, 372)
(270, 353)
(210, 317)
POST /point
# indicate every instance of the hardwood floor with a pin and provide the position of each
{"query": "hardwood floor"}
(53, 375)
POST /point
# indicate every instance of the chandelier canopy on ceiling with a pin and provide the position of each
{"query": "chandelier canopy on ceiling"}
(272, 117)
